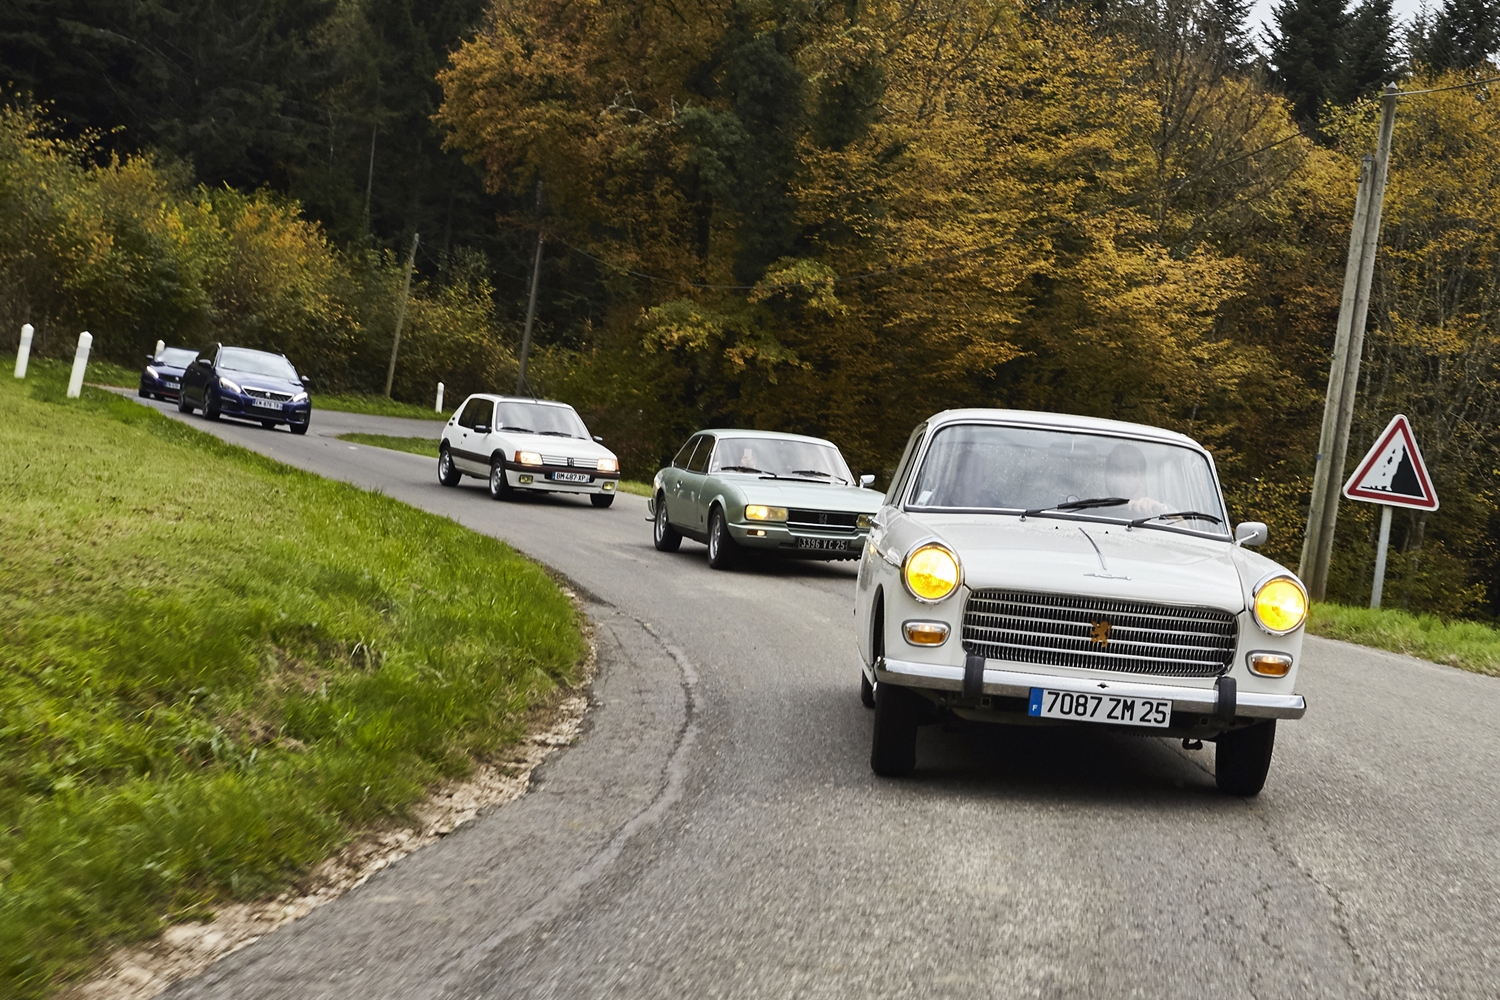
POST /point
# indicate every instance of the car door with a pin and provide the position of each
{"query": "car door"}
(468, 445)
(671, 482)
(695, 482)
(195, 378)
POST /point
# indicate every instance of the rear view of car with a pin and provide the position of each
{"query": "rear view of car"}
(162, 376)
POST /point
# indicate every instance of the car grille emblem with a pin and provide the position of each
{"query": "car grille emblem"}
(822, 518)
(1100, 634)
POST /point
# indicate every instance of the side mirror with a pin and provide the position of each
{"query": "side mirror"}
(598, 439)
(481, 428)
(1251, 533)
(150, 358)
(866, 480)
(205, 362)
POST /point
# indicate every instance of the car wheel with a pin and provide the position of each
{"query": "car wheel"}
(893, 751)
(667, 538)
(210, 408)
(183, 406)
(448, 474)
(300, 428)
(722, 551)
(269, 425)
(601, 499)
(500, 488)
(1244, 758)
(141, 392)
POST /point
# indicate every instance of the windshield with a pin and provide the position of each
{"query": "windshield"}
(238, 359)
(552, 419)
(1014, 469)
(788, 459)
(177, 357)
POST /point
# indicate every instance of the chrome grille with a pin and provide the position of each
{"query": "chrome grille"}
(822, 520)
(1134, 637)
(280, 397)
(561, 460)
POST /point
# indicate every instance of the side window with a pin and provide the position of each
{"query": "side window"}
(686, 454)
(476, 412)
(903, 470)
(699, 461)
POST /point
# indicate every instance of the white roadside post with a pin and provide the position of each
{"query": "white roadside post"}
(80, 362)
(1391, 474)
(439, 404)
(161, 345)
(23, 354)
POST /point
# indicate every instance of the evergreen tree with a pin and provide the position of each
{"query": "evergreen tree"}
(1462, 35)
(1223, 23)
(1369, 53)
(1306, 53)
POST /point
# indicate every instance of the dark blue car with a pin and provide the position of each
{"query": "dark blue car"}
(252, 385)
(162, 376)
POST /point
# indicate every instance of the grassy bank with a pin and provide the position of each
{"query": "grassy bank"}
(1471, 645)
(213, 668)
(378, 406)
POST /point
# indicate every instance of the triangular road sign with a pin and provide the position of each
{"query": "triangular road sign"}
(1393, 471)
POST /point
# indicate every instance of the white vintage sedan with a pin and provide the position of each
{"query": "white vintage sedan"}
(520, 445)
(1043, 569)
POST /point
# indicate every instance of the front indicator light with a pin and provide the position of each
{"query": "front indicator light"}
(1269, 664)
(528, 458)
(1280, 605)
(608, 465)
(609, 487)
(931, 572)
(865, 522)
(760, 512)
(925, 633)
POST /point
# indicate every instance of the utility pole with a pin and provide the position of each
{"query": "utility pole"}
(536, 277)
(390, 372)
(1349, 342)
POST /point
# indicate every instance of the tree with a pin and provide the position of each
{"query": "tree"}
(1307, 52)
(1461, 36)
(1369, 58)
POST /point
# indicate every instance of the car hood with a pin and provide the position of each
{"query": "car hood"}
(1095, 559)
(271, 382)
(163, 369)
(806, 495)
(557, 446)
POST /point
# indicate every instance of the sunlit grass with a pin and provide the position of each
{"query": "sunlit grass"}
(378, 406)
(633, 486)
(415, 445)
(1471, 645)
(214, 667)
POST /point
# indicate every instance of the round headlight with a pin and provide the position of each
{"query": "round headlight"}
(931, 572)
(1280, 605)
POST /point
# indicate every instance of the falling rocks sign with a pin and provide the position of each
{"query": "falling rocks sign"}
(1393, 472)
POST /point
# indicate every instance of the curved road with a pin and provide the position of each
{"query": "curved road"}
(718, 833)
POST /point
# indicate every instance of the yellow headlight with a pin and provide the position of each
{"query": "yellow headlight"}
(528, 458)
(1280, 605)
(931, 572)
(760, 512)
(608, 465)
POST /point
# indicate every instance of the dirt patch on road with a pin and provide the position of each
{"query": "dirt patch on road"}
(184, 950)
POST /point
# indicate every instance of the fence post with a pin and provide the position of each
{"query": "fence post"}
(439, 404)
(161, 345)
(80, 362)
(23, 354)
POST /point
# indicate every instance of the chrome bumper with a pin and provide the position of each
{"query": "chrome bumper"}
(1018, 684)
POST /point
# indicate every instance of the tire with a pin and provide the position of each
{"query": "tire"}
(300, 428)
(601, 499)
(893, 749)
(866, 691)
(269, 425)
(143, 393)
(723, 553)
(448, 474)
(499, 486)
(183, 406)
(210, 410)
(1244, 759)
(666, 537)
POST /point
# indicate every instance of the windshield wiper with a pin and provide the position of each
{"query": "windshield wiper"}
(818, 472)
(513, 427)
(1193, 514)
(557, 434)
(745, 468)
(1078, 505)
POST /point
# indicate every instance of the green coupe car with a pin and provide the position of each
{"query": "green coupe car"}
(759, 490)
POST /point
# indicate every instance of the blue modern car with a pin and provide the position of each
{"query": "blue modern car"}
(252, 385)
(162, 376)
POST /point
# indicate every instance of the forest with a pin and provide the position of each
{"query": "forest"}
(808, 215)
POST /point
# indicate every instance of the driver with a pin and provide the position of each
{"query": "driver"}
(1125, 476)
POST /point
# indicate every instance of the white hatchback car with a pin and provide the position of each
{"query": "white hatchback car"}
(1044, 569)
(521, 444)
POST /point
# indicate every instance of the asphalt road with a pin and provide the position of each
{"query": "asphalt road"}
(718, 833)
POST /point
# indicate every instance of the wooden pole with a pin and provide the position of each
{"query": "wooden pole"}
(536, 277)
(390, 372)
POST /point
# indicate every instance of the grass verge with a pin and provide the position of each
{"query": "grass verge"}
(214, 668)
(378, 406)
(416, 446)
(1471, 645)
(633, 486)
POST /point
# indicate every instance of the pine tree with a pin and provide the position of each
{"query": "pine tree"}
(1306, 53)
(1462, 35)
(1369, 53)
(1223, 23)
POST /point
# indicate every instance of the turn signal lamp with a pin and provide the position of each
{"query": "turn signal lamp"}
(925, 633)
(608, 465)
(1270, 664)
(931, 572)
(528, 458)
(760, 512)
(864, 522)
(1280, 605)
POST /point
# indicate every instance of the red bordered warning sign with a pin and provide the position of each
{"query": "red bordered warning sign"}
(1393, 471)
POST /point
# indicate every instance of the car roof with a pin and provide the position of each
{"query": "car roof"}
(766, 435)
(1062, 421)
(518, 399)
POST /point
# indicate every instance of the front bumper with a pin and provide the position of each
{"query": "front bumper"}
(1018, 684)
(818, 545)
(161, 386)
(532, 477)
(231, 405)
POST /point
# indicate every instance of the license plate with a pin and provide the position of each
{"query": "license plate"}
(571, 477)
(169, 381)
(1080, 707)
(822, 543)
(267, 404)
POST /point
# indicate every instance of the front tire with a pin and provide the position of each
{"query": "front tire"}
(500, 488)
(300, 428)
(893, 750)
(601, 499)
(723, 553)
(1243, 759)
(269, 425)
(210, 408)
(448, 474)
(183, 406)
(666, 537)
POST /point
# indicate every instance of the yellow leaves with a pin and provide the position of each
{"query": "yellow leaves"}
(813, 279)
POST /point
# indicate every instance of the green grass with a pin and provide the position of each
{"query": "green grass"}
(215, 668)
(378, 406)
(632, 486)
(1471, 645)
(417, 446)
